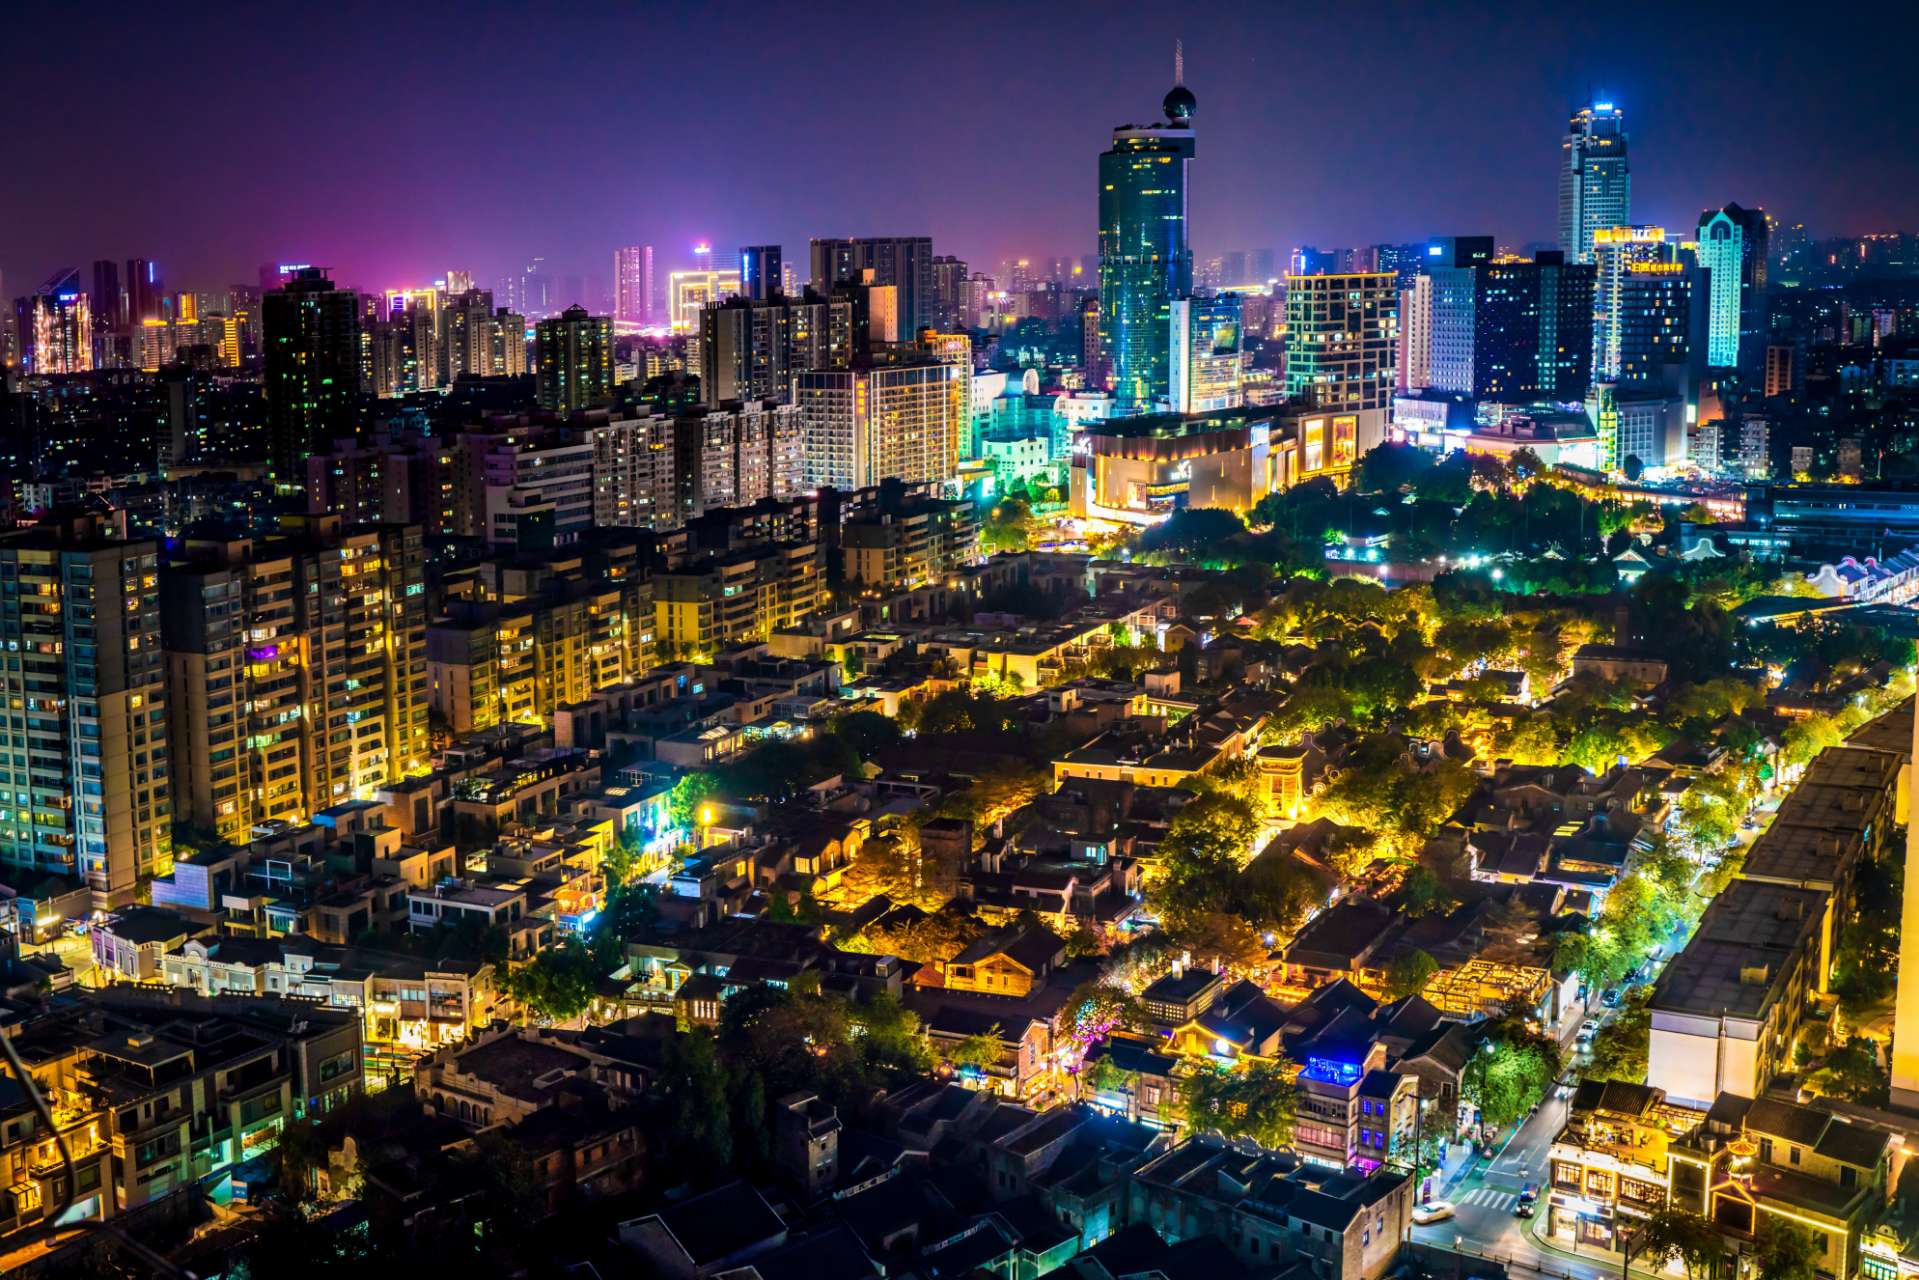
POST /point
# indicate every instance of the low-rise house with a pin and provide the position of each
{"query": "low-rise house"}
(1609, 1161)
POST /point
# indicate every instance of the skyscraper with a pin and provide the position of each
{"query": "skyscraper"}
(1661, 327)
(469, 336)
(1513, 332)
(108, 299)
(904, 262)
(574, 355)
(1615, 250)
(312, 333)
(1732, 246)
(760, 272)
(1145, 261)
(56, 326)
(632, 288)
(1595, 182)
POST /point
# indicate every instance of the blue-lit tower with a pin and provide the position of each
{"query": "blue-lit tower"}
(1145, 261)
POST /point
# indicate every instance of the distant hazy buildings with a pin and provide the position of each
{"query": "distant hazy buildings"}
(56, 326)
(1595, 180)
(632, 288)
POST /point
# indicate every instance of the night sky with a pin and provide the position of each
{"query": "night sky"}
(393, 141)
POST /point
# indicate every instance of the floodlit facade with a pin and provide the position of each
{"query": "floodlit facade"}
(1595, 179)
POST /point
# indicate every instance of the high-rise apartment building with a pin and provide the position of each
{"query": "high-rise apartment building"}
(949, 294)
(56, 326)
(469, 336)
(1205, 356)
(750, 349)
(1732, 246)
(296, 670)
(312, 334)
(84, 788)
(903, 262)
(1145, 261)
(632, 288)
(1342, 344)
(1416, 334)
(879, 421)
(658, 471)
(574, 360)
(1595, 180)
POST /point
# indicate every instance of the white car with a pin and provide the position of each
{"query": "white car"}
(1430, 1211)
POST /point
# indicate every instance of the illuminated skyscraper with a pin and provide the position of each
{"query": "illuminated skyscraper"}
(1513, 332)
(1732, 246)
(312, 368)
(56, 326)
(1595, 182)
(1144, 259)
(574, 355)
(885, 421)
(632, 288)
(750, 350)
(688, 291)
(1615, 250)
(1342, 341)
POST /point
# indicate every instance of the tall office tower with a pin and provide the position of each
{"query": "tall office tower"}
(1342, 345)
(1513, 332)
(881, 421)
(536, 290)
(1732, 246)
(877, 319)
(1204, 360)
(1615, 250)
(750, 350)
(1779, 365)
(1416, 334)
(312, 334)
(689, 291)
(1661, 327)
(905, 262)
(1595, 181)
(574, 360)
(144, 291)
(949, 294)
(761, 274)
(56, 326)
(108, 300)
(1405, 261)
(632, 288)
(1144, 259)
(470, 334)
(295, 671)
(83, 718)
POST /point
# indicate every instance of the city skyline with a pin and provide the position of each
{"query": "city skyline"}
(326, 176)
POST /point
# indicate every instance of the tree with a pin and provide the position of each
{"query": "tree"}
(980, 1051)
(1409, 973)
(1512, 1070)
(1673, 1235)
(699, 1135)
(688, 797)
(1008, 527)
(1786, 1252)
(1256, 1101)
(1634, 467)
(1621, 1048)
(557, 985)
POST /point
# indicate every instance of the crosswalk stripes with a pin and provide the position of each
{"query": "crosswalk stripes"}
(1490, 1198)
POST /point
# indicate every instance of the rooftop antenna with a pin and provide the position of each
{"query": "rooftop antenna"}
(1179, 62)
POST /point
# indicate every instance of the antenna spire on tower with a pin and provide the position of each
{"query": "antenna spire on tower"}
(1179, 62)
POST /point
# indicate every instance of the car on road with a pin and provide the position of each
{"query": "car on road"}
(1589, 1026)
(1427, 1212)
(1609, 997)
(1528, 1194)
(1523, 1210)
